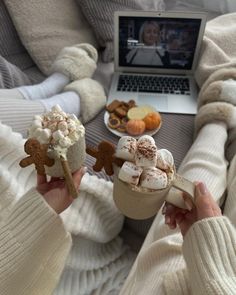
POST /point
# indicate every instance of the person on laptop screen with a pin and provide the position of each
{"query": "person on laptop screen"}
(148, 50)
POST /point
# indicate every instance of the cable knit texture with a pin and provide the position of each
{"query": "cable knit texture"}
(34, 241)
(212, 268)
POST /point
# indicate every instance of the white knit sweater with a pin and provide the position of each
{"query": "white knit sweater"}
(35, 241)
(209, 250)
(28, 265)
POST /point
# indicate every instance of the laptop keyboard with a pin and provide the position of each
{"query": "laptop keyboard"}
(155, 84)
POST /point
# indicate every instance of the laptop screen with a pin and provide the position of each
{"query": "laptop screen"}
(157, 42)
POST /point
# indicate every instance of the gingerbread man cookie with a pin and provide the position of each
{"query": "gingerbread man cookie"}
(37, 155)
(105, 157)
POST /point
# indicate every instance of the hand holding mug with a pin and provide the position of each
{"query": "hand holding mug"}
(55, 191)
(205, 207)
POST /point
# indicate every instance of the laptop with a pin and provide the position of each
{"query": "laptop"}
(155, 56)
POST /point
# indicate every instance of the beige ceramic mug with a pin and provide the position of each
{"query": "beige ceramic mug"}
(141, 205)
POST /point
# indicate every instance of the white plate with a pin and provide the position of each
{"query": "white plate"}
(120, 134)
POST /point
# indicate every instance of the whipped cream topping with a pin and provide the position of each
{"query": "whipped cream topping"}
(147, 168)
(58, 129)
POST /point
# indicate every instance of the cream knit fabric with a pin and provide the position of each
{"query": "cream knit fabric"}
(160, 267)
(19, 113)
(218, 48)
(25, 223)
(33, 240)
(209, 249)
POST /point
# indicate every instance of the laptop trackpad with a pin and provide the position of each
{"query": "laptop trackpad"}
(160, 102)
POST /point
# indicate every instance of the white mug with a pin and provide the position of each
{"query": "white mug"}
(141, 205)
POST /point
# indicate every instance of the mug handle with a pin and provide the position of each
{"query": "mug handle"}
(184, 185)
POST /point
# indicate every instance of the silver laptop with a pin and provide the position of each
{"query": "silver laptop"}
(156, 54)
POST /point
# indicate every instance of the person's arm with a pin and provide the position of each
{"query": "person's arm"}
(209, 246)
(209, 250)
(33, 241)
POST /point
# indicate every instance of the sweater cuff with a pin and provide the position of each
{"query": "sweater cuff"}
(209, 252)
(176, 283)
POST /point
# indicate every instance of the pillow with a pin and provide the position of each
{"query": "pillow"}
(47, 26)
(11, 47)
(100, 15)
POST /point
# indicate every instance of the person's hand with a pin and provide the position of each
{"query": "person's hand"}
(55, 191)
(205, 206)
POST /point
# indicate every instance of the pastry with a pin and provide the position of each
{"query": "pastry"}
(113, 122)
(135, 127)
(113, 105)
(37, 155)
(121, 128)
(120, 112)
(104, 156)
(142, 165)
(152, 120)
(139, 112)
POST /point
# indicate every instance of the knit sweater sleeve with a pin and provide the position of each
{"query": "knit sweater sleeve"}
(33, 247)
(209, 250)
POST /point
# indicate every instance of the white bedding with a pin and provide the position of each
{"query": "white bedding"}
(212, 7)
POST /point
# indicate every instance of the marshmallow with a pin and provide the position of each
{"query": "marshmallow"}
(146, 153)
(58, 135)
(74, 136)
(37, 124)
(154, 179)
(58, 129)
(37, 132)
(145, 139)
(45, 136)
(65, 142)
(130, 173)
(165, 160)
(126, 148)
(62, 126)
(38, 117)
